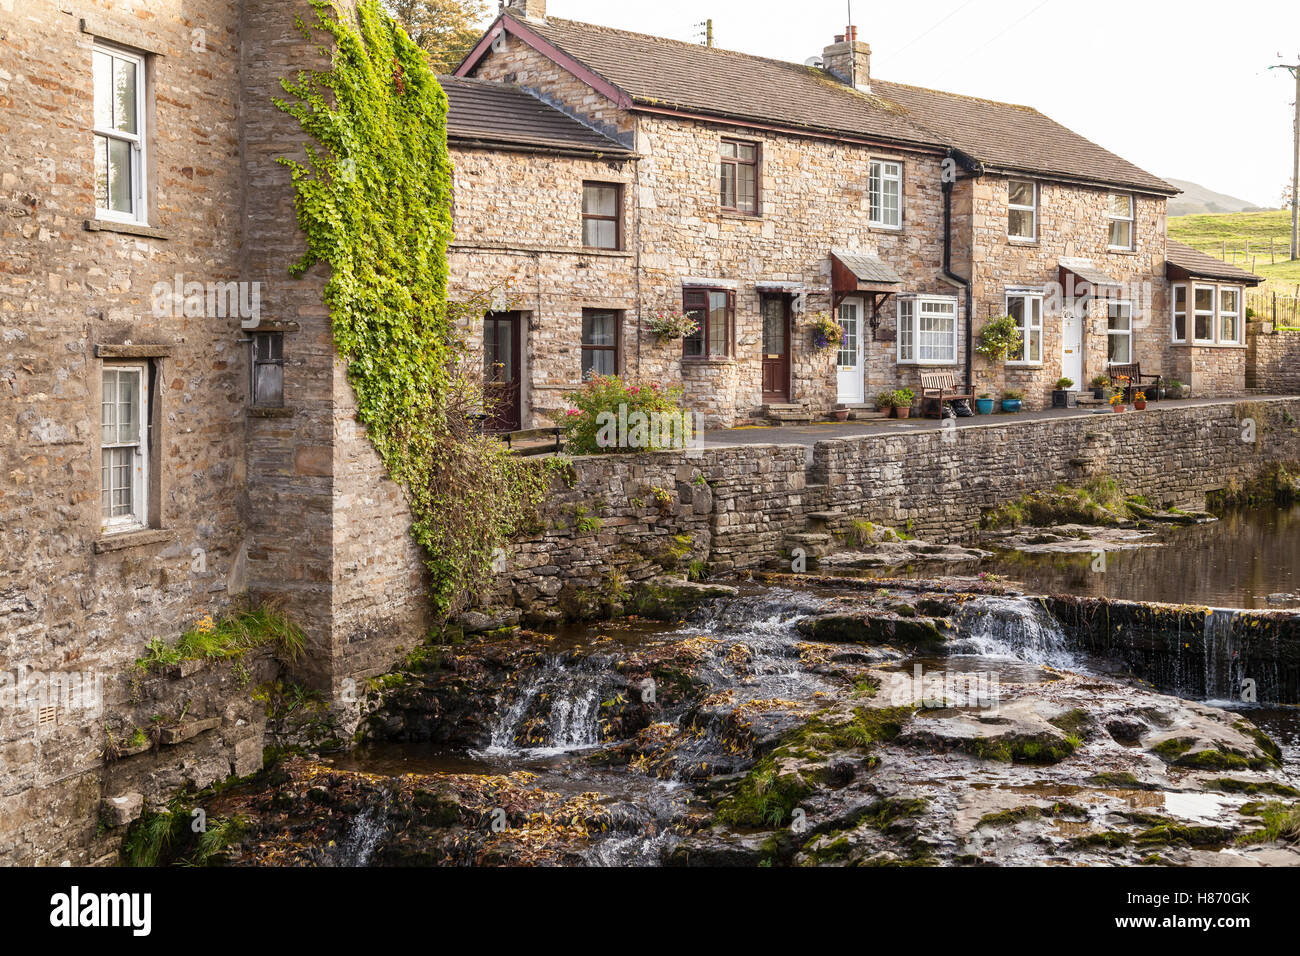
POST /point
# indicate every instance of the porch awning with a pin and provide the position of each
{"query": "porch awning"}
(862, 272)
(1085, 269)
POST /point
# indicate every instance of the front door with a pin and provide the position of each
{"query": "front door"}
(1072, 343)
(776, 349)
(849, 381)
(501, 370)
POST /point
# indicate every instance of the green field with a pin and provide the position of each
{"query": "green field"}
(1210, 233)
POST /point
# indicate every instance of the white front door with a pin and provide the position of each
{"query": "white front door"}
(849, 381)
(1072, 344)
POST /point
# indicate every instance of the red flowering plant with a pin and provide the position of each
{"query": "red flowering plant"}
(610, 415)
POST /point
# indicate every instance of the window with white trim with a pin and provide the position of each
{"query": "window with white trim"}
(1121, 220)
(124, 448)
(1027, 309)
(119, 137)
(1180, 313)
(1022, 210)
(1229, 316)
(1203, 326)
(927, 330)
(1119, 333)
(886, 194)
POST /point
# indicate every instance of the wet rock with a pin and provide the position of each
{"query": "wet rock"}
(872, 628)
(671, 599)
(1016, 733)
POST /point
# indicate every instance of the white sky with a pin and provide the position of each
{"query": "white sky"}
(1180, 89)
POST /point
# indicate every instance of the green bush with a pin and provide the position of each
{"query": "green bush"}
(610, 415)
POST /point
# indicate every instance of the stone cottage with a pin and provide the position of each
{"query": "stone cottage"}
(761, 194)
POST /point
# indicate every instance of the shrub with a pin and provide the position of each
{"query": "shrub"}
(611, 415)
(1063, 384)
(1014, 395)
(904, 397)
(886, 400)
(999, 337)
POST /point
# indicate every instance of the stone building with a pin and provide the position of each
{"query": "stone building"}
(766, 194)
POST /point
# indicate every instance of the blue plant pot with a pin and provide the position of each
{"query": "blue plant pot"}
(984, 406)
(1011, 404)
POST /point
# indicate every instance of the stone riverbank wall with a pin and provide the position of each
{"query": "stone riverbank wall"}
(622, 520)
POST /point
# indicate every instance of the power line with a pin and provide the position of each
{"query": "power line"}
(1009, 28)
(915, 40)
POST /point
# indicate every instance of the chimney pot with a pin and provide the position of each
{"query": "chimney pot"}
(849, 60)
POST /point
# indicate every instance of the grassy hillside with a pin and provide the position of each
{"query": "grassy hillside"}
(1210, 233)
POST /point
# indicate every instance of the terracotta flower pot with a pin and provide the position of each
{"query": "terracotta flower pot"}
(841, 414)
(1140, 406)
(1119, 409)
(903, 412)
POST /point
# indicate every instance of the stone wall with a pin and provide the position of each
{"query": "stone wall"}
(734, 509)
(1273, 359)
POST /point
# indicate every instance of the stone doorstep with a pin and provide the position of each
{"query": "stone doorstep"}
(183, 732)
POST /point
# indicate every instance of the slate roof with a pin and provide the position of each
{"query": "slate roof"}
(658, 72)
(1200, 265)
(866, 267)
(1086, 270)
(495, 114)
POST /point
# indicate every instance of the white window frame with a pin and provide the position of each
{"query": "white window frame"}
(138, 141)
(880, 172)
(1213, 313)
(911, 309)
(1016, 207)
(1237, 338)
(1128, 333)
(1131, 220)
(1175, 313)
(138, 517)
(1029, 325)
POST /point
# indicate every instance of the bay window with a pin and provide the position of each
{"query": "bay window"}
(1027, 310)
(1217, 315)
(119, 134)
(1203, 326)
(1229, 316)
(927, 330)
(886, 194)
(1180, 313)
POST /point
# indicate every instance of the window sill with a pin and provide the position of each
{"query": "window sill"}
(747, 216)
(122, 540)
(920, 364)
(1026, 243)
(1209, 345)
(705, 362)
(1025, 365)
(125, 228)
(263, 411)
(881, 227)
(1112, 251)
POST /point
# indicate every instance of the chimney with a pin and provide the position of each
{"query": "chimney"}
(530, 9)
(849, 60)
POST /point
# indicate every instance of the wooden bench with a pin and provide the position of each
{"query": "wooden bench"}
(1133, 372)
(940, 387)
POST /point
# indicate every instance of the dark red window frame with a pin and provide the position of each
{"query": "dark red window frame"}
(736, 163)
(698, 300)
(616, 219)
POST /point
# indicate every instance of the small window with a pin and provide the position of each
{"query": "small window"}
(124, 448)
(927, 331)
(119, 139)
(600, 342)
(1027, 310)
(1119, 337)
(1229, 316)
(886, 194)
(1180, 313)
(1203, 329)
(739, 174)
(602, 220)
(268, 369)
(714, 312)
(1022, 210)
(1121, 221)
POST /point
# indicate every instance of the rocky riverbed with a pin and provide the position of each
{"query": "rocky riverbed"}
(830, 723)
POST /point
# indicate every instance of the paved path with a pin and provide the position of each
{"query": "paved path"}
(810, 435)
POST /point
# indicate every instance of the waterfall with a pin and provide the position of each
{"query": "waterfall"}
(556, 708)
(1016, 628)
(362, 839)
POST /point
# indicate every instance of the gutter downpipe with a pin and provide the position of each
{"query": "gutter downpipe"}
(977, 170)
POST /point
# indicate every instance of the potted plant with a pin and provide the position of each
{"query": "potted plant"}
(1013, 400)
(841, 414)
(1140, 401)
(999, 338)
(1099, 386)
(984, 404)
(903, 399)
(885, 403)
(827, 333)
(670, 324)
(1062, 397)
(1174, 388)
(1117, 402)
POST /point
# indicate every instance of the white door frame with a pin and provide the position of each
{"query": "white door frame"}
(1072, 347)
(850, 381)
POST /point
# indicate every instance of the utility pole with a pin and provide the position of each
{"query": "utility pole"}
(1294, 69)
(707, 26)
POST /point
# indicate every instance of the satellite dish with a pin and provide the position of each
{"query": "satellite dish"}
(814, 61)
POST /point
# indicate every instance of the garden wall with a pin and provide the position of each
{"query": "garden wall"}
(1273, 360)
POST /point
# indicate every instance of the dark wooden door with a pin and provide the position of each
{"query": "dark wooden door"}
(775, 311)
(501, 366)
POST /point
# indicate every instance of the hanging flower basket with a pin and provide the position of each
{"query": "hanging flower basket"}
(826, 333)
(671, 324)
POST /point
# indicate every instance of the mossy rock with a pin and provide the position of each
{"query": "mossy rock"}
(916, 632)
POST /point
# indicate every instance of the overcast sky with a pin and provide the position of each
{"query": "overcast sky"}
(1181, 89)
